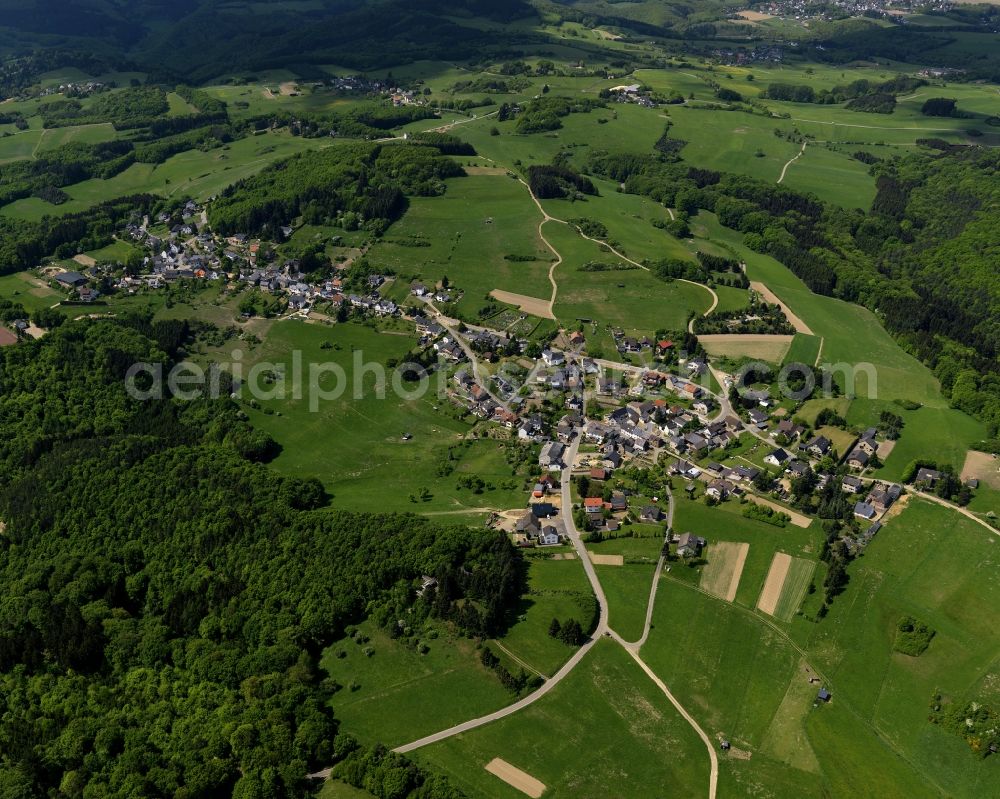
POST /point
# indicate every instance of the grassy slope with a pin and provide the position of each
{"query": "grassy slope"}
(574, 739)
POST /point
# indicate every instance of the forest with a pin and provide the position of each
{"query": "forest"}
(370, 180)
(161, 628)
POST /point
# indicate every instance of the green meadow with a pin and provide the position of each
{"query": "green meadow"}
(468, 232)
(950, 583)
(398, 694)
(557, 589)
(355, 443)
(605, 724)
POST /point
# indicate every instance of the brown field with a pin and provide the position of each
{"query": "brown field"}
(884, 448)
(771, 592)
(982, 466)
(721, 576)
(6, 337)
(734, 345)
(771, 297)
(755, 16)
(606, 560)
(516, 778)
(530, 305)
(84, 260)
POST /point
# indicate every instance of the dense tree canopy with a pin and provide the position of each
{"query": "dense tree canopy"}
(166, 600)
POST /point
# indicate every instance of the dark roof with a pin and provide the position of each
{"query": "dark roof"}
(541, 509)
(71, 278)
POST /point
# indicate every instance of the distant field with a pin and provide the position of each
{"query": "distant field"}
(193, 172)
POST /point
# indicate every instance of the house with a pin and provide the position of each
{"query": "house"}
(777, 457)
(867, 441)
(418, 289)
(551, 455)
(824, 695)
(695, 442)
(663, 347)
(549, 536)
(598, 473)
(879, 499)
(553, 358)
(539, 491)
(859, 458)
(703, 406)
(542, 510)
(797, 468)
(788, 429)
(720, 489)
(577, 339)
(593, 504)
(650, 513)
(528, 525)
(71, 279)
(819, 446)
(851, 485)
(927, 477)
(618, 502)
(758, 418)
(865, 511)
(689, 545)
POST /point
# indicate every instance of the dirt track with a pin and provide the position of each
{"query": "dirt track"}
(771, 297)
(771, 593)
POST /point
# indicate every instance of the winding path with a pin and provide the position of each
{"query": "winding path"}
(791, 161)
(547, 217)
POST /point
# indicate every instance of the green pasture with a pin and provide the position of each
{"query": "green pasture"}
(725, 522)
(399, 694)
(557, 589)
(479, 220)
(942, 569)
(355, 443)
(805, 349)
(605, 722)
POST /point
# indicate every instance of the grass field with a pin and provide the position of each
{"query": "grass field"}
(605, 724)
(724, 568)
(478, 221)
(627, 586)
(950, 583)
(726, 522)
(557, 589)
(401, 695)
(772, 349)
(30, 291)
(804, 349)
(355, 445)
(633, 300)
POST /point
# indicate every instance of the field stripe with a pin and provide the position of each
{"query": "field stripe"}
(515, 778)
(771, 592)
